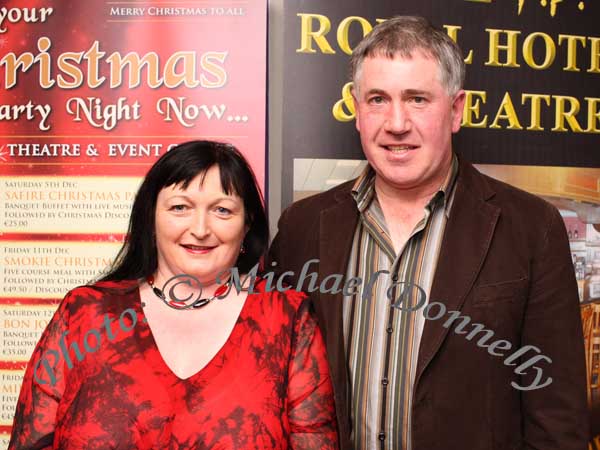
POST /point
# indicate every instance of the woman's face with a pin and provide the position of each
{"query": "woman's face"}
(199, 230)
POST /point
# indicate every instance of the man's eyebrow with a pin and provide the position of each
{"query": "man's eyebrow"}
(405, 92)
(408, 92)
(376, 91)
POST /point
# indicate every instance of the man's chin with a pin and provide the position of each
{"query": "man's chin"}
(405, 182)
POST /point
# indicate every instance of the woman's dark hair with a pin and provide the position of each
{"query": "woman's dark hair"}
(138, 257)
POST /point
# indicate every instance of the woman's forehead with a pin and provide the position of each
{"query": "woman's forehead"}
(206, 182)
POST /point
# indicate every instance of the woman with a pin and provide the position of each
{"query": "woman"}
(125, 364)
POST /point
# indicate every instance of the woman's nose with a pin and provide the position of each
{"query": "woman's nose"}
(200, 227)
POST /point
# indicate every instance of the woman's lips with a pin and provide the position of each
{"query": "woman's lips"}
(197, 249)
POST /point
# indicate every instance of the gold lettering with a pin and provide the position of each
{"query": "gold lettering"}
(561, 114)
(343, 110)
(135, 65)
(593, 115)
(92, 56)
(12, 64)
(535, 123)
(207, 63)
(595, 55)
(307, 35)
(43, 58)
(69, 69)
(344, 27)
(528, 51)
(186, 75)
(571, 50)
(452, 32)
(510, 47)
(507, 112)
(471, 110)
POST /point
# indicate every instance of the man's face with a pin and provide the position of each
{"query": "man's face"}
(406, 118)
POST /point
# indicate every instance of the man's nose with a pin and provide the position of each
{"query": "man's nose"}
(397, 120)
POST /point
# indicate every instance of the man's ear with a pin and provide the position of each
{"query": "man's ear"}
(458, 106)
(355, 102)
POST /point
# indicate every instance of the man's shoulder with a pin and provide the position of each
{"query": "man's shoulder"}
(510, 199)
(321, 201)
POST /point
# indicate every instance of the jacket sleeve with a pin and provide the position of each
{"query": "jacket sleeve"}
(556, 417)
(277, 248)
(310, 393)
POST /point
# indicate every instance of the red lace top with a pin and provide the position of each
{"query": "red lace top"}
(268, 387)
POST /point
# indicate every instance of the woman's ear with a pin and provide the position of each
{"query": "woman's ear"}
(248, 224)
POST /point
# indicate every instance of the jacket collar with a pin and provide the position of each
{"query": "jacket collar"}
(468, 233)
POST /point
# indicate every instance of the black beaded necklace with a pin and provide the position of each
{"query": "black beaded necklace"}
(179, 304)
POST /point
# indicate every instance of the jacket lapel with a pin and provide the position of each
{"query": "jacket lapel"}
(337, 226)
(336, 230)
(467, 239)
(468, 235)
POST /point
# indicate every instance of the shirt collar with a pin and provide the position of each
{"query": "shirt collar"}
(363, 189)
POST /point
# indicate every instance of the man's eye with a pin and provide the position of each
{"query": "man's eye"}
(378, 99)
(419, 100)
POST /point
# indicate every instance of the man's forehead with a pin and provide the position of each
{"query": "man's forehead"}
(382, 66)
(377, 69)
(398, 55)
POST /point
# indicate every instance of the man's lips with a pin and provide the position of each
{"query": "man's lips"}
(399, 148)
(198, 249)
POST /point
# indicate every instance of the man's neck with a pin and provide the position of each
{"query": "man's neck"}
(404, 199)
(403, 209)
(409, 199)
(401, 214)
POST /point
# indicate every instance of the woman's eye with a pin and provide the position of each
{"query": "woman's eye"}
(223, 211)
(178, 208)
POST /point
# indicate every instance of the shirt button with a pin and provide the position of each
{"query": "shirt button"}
(384, 381)
(389, 330)
(381, 436)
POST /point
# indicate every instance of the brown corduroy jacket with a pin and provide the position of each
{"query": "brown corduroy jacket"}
(504, 263)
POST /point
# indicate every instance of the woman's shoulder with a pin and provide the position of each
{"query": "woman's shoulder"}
(99, 292)
(105, 288)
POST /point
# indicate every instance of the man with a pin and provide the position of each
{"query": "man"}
(495, 360)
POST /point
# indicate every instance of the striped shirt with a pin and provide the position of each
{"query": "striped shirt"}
(381, 341)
